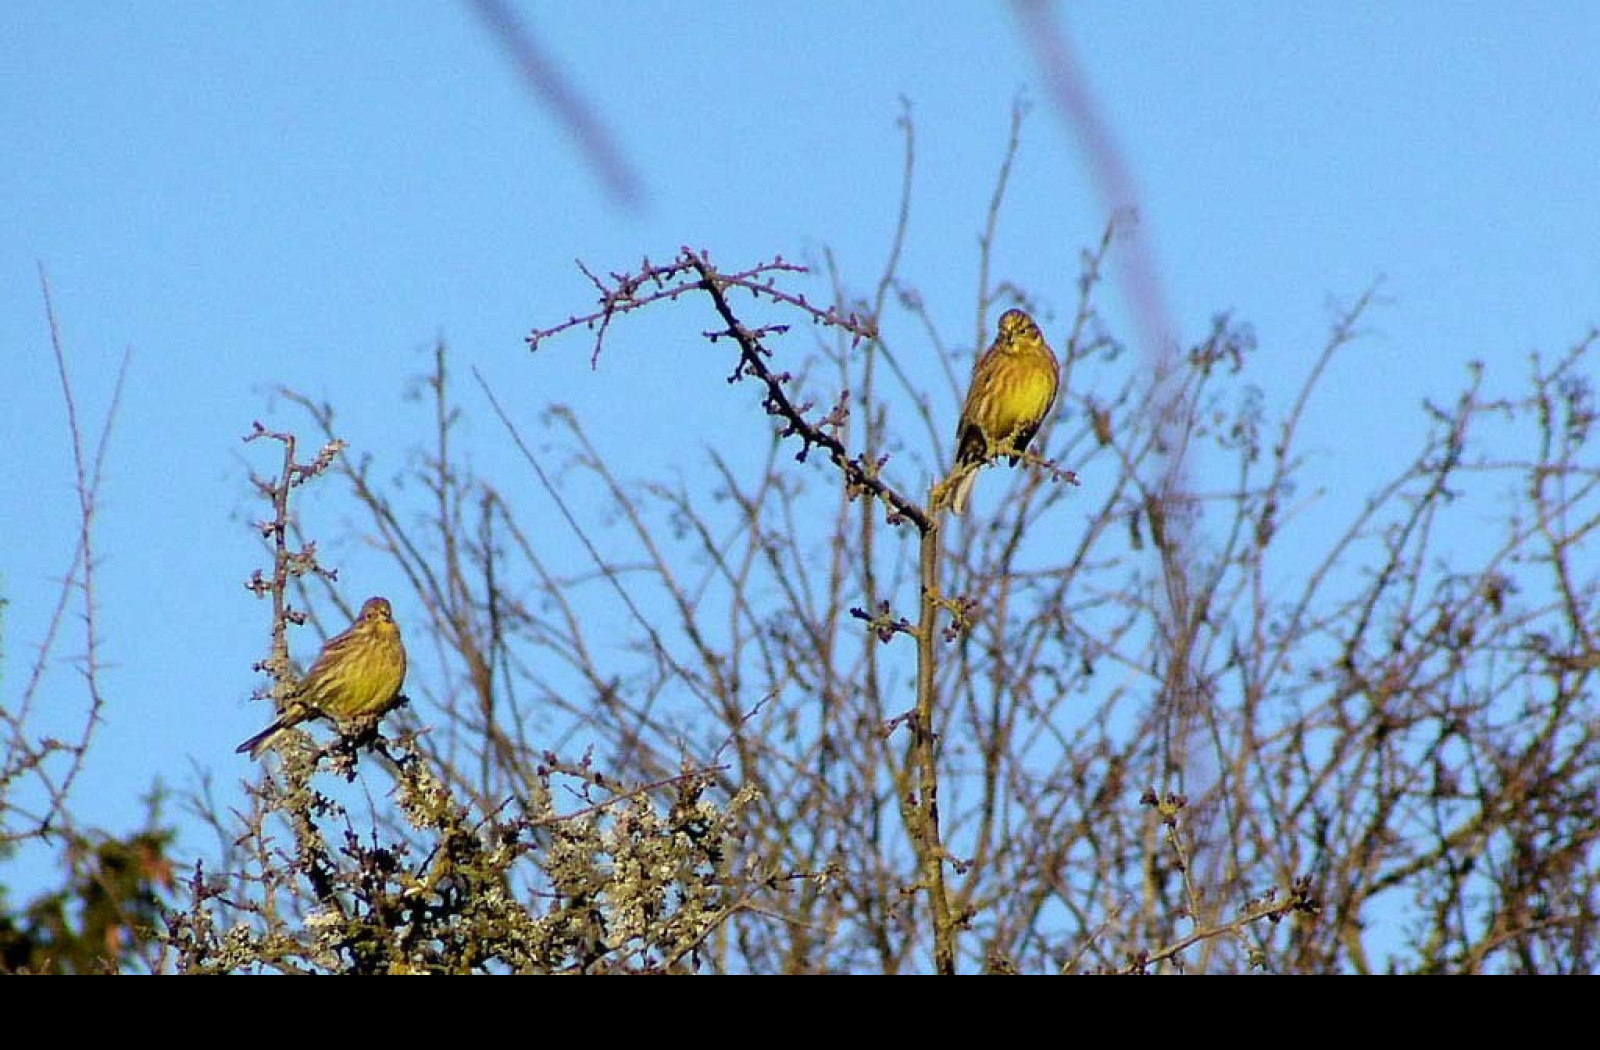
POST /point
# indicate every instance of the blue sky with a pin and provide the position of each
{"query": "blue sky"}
(311, 194)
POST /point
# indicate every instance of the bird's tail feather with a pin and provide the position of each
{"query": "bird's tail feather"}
(262, 740)
(963, 492)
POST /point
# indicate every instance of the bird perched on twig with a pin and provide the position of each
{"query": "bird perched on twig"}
(1013, 387)
(358, 673)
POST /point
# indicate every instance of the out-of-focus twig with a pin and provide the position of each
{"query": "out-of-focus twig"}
(570, 108)
(1170, 499)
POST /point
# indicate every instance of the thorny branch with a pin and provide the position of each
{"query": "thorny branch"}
(693, 271)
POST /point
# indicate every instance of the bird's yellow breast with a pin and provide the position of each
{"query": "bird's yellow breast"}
(1027, 399)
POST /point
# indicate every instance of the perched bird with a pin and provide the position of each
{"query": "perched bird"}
(1013, 387)
(357, 673)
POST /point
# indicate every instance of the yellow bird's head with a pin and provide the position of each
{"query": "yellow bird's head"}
(1017, 326)
(376, 610)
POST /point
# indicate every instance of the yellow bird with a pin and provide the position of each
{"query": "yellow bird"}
(1013, 386)
(357, 673)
